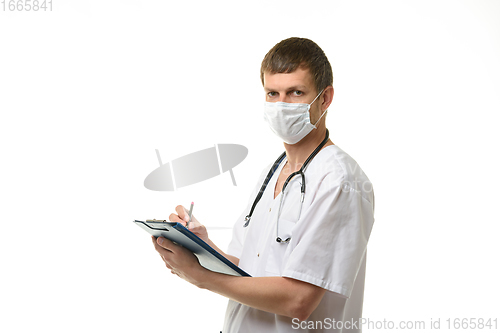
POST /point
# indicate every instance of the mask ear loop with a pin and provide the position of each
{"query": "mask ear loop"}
(320, 118)
(314, 100)
(322, 113)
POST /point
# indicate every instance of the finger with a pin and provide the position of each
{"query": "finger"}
(166, 244)
(161, 250)
(176, 218)
(198, 229)
(182, 212)
(153, 238)
(196, 225)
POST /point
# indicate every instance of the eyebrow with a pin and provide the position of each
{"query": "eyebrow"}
(300, 87)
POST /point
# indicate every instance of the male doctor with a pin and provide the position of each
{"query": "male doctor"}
(304, 245)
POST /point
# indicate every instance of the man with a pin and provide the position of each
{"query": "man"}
(305, 247)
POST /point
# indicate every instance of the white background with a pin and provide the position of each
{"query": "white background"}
(91, 89)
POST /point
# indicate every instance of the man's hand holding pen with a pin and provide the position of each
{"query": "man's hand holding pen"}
(181, 216)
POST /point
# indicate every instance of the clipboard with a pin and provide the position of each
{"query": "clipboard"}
(207, 256)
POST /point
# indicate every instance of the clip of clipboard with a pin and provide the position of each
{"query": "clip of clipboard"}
(207, 256)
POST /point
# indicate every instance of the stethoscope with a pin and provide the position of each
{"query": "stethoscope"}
(302, 186)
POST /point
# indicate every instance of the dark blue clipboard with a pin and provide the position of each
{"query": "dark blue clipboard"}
(207, 256)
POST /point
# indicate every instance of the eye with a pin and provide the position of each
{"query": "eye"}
(297, 93)
(272, 94)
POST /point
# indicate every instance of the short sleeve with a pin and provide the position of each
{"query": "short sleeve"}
(329, 241)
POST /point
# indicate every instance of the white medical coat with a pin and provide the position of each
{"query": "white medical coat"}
(329, 235)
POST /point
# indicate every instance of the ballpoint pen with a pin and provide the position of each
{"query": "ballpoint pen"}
(190, 214)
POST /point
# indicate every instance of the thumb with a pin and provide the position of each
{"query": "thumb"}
(194, 223)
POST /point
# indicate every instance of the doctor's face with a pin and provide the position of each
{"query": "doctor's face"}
(295, 87)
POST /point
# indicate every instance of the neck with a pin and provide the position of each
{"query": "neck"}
(298, 153)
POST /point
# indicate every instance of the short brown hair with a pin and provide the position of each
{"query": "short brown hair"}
(294, 52)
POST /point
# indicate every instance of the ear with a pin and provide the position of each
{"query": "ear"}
(327, 98)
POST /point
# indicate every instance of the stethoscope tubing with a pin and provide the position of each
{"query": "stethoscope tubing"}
(273, 169)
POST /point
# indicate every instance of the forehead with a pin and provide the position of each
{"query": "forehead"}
(284, 81)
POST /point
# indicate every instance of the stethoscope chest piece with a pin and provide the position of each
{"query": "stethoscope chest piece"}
(279, 240)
